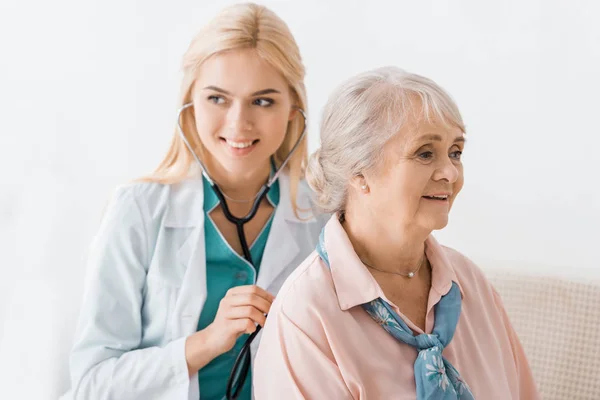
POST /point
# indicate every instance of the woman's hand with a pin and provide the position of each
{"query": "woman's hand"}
(242, 308)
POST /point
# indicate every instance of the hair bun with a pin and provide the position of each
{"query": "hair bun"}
(315, 177)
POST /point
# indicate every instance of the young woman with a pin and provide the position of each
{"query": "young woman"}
(174, 290)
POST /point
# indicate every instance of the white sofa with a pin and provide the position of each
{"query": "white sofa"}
(558, 322)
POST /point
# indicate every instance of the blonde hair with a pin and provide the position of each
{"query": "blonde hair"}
(240, 26)
(361, 115)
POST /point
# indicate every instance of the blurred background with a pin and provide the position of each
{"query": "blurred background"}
(88, 95)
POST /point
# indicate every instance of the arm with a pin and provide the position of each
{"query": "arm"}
(527, 388)
(105, 361)
(292, 365)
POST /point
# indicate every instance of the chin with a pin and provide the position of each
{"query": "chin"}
(238, 167)
(442, 225)
(437, 224)
(243, 166)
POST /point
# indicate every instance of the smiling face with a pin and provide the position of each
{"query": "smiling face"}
(242, 107)
(420, 175)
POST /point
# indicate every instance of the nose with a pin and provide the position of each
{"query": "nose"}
(239, 118)
(447, 171)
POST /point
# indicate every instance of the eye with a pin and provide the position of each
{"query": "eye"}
(426, 155)
(456, 154)
(263, 102)
(216, 99)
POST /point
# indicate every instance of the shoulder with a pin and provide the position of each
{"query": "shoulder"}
(476, 287)
(137, 212)
(139, 193)
(158, 201)
(464, 268)
(308, 294)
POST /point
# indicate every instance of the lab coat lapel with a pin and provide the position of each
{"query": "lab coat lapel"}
(193, 288)
(187, 212)
(282, 246)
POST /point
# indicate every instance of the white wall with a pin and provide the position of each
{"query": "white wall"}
(87, 101)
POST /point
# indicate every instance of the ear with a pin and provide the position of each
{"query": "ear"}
(293, 113)
(358, 182)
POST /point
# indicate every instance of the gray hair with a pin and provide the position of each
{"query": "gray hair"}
(361, 115)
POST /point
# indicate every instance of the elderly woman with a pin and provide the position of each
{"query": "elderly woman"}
(381, 310)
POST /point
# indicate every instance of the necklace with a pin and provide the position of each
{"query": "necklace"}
(408, 275)
(239, 200)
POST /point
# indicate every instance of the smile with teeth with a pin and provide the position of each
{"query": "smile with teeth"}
(440, 197)
(240, 145)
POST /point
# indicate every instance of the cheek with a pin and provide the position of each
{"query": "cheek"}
(273, 125)
(460, 181)
(458, 185)
(208, 121)
(415, 183)
(401, 191)
(272, 130)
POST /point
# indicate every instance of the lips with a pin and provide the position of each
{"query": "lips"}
(441, 197)
(239, 144)
(239, 147)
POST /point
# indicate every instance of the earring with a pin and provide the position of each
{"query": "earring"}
(365, 187)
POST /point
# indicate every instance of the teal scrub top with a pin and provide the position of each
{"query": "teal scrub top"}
(226, 269)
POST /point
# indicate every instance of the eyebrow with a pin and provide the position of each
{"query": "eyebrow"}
(258, 93)
(438, 138)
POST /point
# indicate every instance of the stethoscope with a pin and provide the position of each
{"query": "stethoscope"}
(243, 359)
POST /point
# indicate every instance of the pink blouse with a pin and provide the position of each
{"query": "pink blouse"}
(318, 343)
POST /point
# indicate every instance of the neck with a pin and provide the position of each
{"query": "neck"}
(240, 186)
(398, 253)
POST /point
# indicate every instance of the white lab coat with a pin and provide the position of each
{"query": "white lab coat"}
(147, 285)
